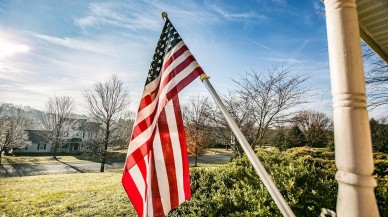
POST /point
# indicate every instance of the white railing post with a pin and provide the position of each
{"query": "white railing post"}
(353, 146)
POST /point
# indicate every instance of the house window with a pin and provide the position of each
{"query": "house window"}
(83, 134)
(44, 146)
(38, 146)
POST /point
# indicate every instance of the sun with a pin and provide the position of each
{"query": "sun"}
(9, 48)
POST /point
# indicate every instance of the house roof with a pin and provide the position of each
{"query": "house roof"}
(37, 136)
(90, 126)
(373, 22)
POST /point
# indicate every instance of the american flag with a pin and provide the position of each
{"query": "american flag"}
(156, 173)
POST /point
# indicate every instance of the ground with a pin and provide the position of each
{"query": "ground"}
(39, 165)
(75, 194)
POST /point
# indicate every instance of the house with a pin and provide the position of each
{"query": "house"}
(75, 141)
(39, 142)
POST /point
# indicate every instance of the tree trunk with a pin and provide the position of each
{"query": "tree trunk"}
(106, 141)
(1, 154)
(102, 168)
(55, 150)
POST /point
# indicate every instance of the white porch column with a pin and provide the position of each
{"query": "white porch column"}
(353, 147)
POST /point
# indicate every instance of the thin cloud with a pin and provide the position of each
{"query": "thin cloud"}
(69, 42)
(237, 15)
(301, 47)
(266, 47)
(117, 14)
(319, 9)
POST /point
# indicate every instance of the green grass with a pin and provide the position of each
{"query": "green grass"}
(87, 194)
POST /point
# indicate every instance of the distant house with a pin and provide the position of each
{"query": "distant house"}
(39, 142)
(76, 139)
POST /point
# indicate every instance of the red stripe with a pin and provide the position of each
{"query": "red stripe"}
(156, 200)
(168, 155)
(173, 92)
(182, 141)
(174, 56)
(146, 100)
(133, 193)
(143, 125)
(139, 153)
(179, 68)
(182, 84)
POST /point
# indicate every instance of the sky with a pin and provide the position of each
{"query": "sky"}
(61, 48)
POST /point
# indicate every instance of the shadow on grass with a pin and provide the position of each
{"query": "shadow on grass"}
(71, 166)
(112, 157)
(10, 170)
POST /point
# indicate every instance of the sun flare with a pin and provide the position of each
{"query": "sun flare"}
(9, 48)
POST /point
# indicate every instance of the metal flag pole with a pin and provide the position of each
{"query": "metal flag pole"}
(272, 189)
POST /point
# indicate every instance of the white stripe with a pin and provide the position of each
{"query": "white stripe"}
(139, 181)
(161, 174)
(176, 61)
(145, 112)
(150, 87)
(176, 147)
(149, 205)
(173, 50)
(176, 80)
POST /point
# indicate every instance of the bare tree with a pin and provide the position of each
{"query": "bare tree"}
(106, 102)
(197, 127)
(12, 129)
(316, 127)
(376, 76)
(262, 100)
(58, 120)
(123, 130)
(237, 107)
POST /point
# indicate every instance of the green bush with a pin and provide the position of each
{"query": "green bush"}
(304, 176)
(236, 190)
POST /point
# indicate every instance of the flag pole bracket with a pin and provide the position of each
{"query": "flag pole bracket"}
(204, 76)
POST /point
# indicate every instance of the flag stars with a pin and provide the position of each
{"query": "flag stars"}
(167, 40)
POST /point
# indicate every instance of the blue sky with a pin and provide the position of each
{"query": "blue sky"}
(63, 47)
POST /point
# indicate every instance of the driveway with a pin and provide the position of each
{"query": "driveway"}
(9, 170)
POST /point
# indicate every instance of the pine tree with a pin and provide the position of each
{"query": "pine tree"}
(295, 138)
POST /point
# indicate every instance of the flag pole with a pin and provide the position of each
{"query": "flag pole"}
(272, 189)
(268, 183)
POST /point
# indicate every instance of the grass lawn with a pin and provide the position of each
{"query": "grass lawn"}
(87, 194)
